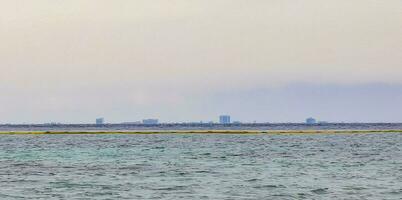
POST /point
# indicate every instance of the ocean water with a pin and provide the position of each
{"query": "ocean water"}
(201, 126)
(336, 166)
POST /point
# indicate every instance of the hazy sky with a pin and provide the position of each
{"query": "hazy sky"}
(191, 60)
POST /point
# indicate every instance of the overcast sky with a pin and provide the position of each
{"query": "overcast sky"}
(189, 60)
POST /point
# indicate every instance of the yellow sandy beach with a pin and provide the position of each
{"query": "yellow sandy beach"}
(245, 132)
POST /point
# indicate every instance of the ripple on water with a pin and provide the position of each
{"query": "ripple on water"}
(201, 167)
(320, 191)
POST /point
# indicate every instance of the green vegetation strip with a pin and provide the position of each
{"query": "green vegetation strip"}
(204, 132)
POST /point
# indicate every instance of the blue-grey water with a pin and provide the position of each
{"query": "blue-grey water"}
(173, 166)
(201, 126)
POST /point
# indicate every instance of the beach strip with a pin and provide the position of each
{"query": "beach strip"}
(241, 132)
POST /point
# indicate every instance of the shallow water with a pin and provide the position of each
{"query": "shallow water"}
(344, 166)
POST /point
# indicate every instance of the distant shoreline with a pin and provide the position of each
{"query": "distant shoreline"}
(239, 132)
(163, 128)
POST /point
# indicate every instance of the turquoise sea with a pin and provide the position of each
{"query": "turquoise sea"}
(338, 166)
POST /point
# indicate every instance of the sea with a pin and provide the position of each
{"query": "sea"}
(202, 166)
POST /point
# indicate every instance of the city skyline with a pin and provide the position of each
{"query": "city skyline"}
(368, 104)
(221, 119)
(200, 99)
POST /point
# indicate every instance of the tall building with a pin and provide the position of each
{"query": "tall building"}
(100, 121)
(311, 121)
(131, 123)
(150, 121)
(224, 119)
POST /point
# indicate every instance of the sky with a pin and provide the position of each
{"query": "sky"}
(192, 60)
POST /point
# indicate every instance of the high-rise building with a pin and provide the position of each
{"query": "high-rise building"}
(131, 123)
(224, 119)
(100, 121)
(311, 121)
(150, 121)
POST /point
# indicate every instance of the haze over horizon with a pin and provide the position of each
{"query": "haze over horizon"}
(192, 60)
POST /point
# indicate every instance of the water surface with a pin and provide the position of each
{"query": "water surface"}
(338, 166)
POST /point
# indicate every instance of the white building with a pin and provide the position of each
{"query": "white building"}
(150, 121)
(311, 121)
(100, 121)
(224, 119)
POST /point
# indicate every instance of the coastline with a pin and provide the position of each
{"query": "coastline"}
(235, 132)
